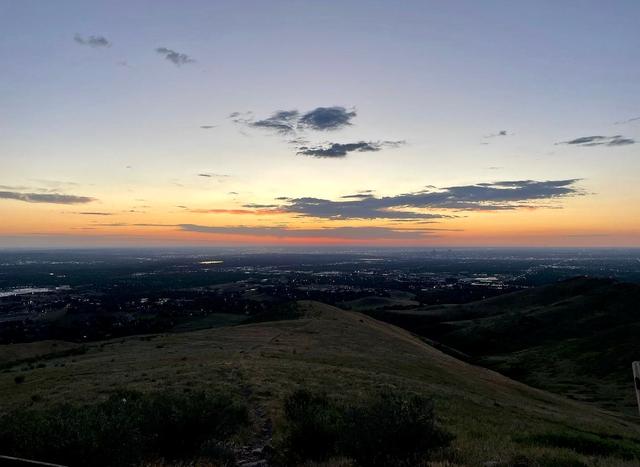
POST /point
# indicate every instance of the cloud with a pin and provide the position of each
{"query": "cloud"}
(498, 134)
(53, 198)
(212, 175)
(208, 127)
(586, 141)
(250, 211)
(494, 196)
(177, 58)
(628, 120)
(282, 121)
(92, 41)
(338, 150)
(287, 122)
(326, 118)
(94, 213)
(344, 233)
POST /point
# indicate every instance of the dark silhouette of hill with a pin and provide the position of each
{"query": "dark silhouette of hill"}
(576, 337)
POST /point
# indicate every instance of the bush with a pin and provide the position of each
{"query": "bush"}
(124, 430)
(386, 429)
(392, 427)
(314, 425)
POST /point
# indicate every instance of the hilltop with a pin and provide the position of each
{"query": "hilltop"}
(342, 353)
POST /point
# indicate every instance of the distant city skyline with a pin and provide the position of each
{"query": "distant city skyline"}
(364, 123)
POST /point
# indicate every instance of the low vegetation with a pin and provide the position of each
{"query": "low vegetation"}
(126, 429)
(386, 429)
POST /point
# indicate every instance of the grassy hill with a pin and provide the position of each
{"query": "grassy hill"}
(576, 337)
(344, 354)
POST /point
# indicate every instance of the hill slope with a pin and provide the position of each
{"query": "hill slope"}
(345, 354)
(576, 337)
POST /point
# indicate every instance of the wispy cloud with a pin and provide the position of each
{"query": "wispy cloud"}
(498, 134)
(255, 211)
(339, 150)
(212, 175)
(92, 41)
(53, 198)
(177, 58)
(94, 213)
(344, 233)
(628, 120)
(282, 121)
(587, 141)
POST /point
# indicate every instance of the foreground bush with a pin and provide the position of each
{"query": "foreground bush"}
(124, 430)
(387, 429)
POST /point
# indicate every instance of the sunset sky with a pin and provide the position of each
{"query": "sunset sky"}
(413, 123)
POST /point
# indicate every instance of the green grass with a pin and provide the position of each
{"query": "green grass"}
(576, 337)
(344, 354)
(387, 428)
(126, 429)
(588, 443)
(214, 320)
(375, 302)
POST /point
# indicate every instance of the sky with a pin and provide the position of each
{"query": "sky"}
(414, 123)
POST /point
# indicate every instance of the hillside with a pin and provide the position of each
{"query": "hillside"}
(576, 337)
(344, 354)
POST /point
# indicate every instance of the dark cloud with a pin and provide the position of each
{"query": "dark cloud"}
(94, 213)
(177, 58)
(586, 141)
(337, 150)
(92, 41)
(208, 127)
(53, 198)
(345, 233)
(289, 121)
(326, 118)
(282, 121)
(357, 196)
(495, 196)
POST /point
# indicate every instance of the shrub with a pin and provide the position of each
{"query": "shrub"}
(392, 427)
(19, 379)
(124, 430)
(314, 426)
(386, 429)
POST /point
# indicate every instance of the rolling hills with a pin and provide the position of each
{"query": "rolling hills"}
(577, 337)
(344, 354)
